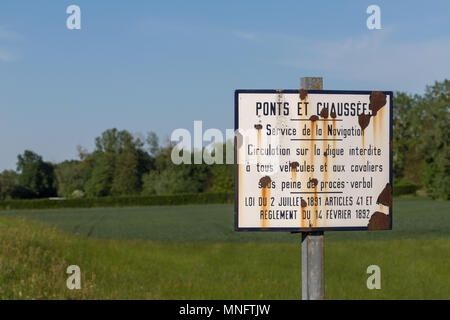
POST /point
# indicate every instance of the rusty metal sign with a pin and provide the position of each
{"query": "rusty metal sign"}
(313, 160)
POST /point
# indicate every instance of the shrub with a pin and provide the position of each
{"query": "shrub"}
(77, 194)
(130, 201)
(404, 187)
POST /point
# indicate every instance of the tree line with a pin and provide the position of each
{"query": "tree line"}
(120, 165)
(421, 139)
(124, 164)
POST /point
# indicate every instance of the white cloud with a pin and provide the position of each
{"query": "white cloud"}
(373, 58)
(245, 35)
(6, 56)
(8, 34)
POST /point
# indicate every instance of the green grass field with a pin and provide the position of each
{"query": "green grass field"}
(192, 252)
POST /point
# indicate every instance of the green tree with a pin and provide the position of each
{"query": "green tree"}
(222, 175)
(176, 179)
(406, 124)
(168, 178)
(435, 138)
(70, 177)
(222, 178)
(127, 180)
(102, 174)
(117, 164)
(9, 180)
(153, 144)
(36, 175)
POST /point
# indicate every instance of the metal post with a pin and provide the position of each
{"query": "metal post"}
(313, 284)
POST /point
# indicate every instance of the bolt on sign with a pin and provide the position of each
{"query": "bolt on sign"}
(313, 160)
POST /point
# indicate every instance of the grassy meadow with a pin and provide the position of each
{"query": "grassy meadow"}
(192, 252)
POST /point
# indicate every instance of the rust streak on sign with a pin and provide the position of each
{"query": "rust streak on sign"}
(315, 207)
(265, 181)
(377, 101)
(333, 117)
(314, 118)
(294, 165)
(324, 113)
(385, 197)
(363, 143)
(265, 196)
(314, 182)
(294, 174)
(363, 120)
(380, 124)
(311, 152)
(303, 98)
(312, 144)
(374, 129)
(324, 146)
(302, 221)
(258, 127)
(259, 139)
(325, 135)
(303, 206)
(303, 93)
(312, 162)
(303, 203)
(378, 221)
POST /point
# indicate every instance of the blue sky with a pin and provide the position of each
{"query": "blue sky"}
(147, 65)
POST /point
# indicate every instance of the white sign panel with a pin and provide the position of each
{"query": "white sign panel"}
(313, 160)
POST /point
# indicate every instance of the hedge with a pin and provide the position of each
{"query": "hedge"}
(403, 187)
(400, 188)
(130, 201)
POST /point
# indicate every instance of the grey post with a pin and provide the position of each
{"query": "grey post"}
(313, 285)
